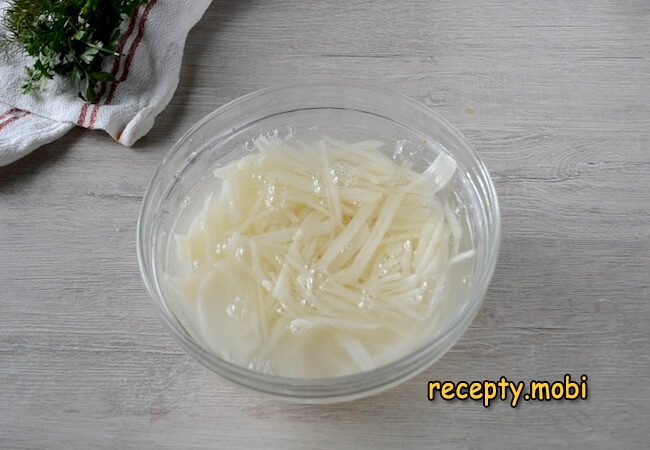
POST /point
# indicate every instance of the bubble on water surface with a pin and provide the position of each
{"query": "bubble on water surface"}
(441, 289)
(364, 305)
(315, 277)
(238, 308)
(368, 296)
(317, 183)
(343, 175)
(222, 246)
(264, 366)
(389, 265)
(300, 327)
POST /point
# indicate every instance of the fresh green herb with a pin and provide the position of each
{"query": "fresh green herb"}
(68, 38)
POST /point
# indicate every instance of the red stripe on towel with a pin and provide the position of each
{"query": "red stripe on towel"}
(127, 64)
(134, 47)
(8, 112)
(116, 64)
(82, 115)
(12, 119)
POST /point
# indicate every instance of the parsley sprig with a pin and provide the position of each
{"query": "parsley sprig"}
(68, 38)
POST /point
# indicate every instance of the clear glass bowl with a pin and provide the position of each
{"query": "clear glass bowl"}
(221, 138)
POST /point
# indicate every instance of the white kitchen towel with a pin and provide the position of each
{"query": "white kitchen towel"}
(146, 77)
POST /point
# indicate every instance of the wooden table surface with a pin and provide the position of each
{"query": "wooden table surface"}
(555, 98)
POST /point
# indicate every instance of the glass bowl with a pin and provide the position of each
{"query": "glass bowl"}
(414, 132)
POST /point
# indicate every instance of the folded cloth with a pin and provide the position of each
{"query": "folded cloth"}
(146, 77)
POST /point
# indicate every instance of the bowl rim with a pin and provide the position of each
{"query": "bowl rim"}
(329, 389)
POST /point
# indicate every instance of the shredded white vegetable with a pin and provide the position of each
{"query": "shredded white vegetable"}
(331, 248)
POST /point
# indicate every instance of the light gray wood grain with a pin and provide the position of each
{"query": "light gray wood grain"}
(553, 95)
